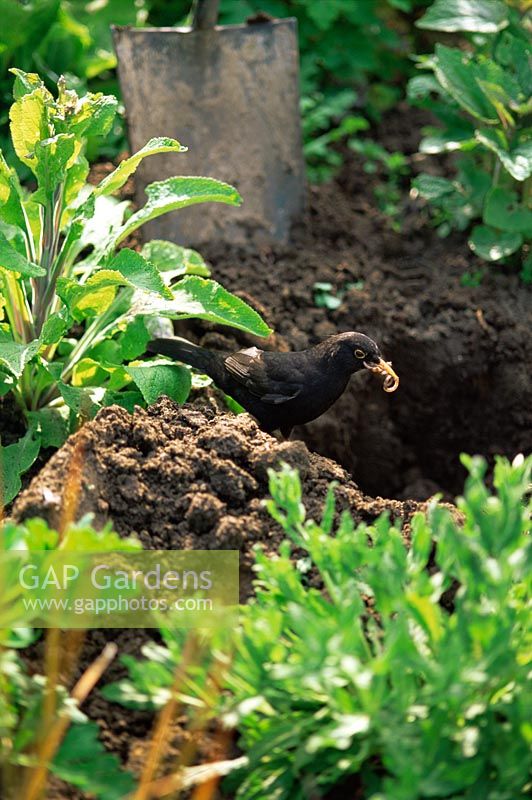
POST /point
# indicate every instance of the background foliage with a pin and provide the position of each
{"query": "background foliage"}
(72, 38)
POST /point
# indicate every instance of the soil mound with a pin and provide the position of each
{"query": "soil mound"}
(183, 477)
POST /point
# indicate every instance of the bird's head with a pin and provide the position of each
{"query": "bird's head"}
(359, 352)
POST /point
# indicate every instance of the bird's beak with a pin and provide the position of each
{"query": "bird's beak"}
(391, 380)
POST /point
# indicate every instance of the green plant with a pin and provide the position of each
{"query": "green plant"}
(81, 759)
(70, 38)
(404, 666)
(482, 93)
(76, 308)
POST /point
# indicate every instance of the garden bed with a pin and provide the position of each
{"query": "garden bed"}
(461, 351)
(179, 477)
(193, 477)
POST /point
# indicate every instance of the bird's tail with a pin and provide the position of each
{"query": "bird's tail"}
(182, 350)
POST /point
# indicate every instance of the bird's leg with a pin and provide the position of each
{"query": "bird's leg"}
(286, 432)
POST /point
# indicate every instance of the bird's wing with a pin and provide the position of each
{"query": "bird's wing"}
(259, 376)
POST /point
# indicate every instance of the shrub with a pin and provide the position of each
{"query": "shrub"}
(406, 667)
(70, 38)
(76, 308)
(483, 103)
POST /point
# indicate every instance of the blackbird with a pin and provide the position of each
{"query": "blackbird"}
(284, 389)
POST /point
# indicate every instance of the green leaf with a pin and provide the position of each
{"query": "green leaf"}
(119, 176)
(25, 82)
(15, 355)
(92, 297)
(83, 402)
(52, 159)
(13, 261)
(94, 115)
(504, 211)
(174, 193)
(171, 257)
(15, 459)
(206, 299)
(475, 16)
(156, 378)
(11, 205)
(134, 339)
(53, 425)
(431, 187)
(29, 125)
(518, 161)
(515, 53)
(125, 399)
(526, 271)
(139, 272)
(458, 75)
(83, 761)
(54, 328)
(493, 245)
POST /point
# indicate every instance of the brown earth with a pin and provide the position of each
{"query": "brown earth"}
(178, 477)
(463, 353)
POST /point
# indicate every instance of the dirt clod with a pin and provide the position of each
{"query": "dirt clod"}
(180, 477)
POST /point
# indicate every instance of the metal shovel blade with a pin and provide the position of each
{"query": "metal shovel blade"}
(231, 94)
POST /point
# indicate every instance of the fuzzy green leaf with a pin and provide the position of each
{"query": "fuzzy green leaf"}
(492, 245)
(92, 297)
(139, 272)
(15, 459)
(206, 299)
(13, 261)
(11, 207)
(53, 425)
(14, 355)
(84, 402)
(54, 328)
(174, 193)
(171, 257)
(52, 159)
(475, 16)
(133, 340)
(94, 115)
(25, 82)
(119, 176)
(156, 378)
(29, 125)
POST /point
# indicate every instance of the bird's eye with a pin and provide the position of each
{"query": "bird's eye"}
(360, 353)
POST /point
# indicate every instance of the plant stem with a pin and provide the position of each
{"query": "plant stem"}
(18, 308)
(44, 288)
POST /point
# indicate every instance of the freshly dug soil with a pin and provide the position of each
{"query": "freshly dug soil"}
(181, 477)
(463, 353)
(178, 477)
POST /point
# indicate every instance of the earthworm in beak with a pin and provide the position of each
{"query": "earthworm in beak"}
(391, 380)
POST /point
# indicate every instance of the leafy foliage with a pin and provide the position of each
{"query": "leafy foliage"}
(70, 38)
(482, 99)
(404, 666)
(73, 38)
(81, 758)
(75, 308)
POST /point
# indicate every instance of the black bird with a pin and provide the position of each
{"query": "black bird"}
(284, 389)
